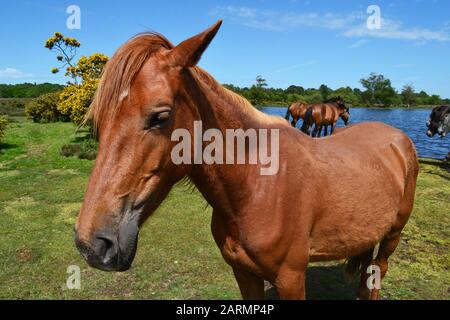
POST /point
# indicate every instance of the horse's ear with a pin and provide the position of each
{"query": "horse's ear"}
(189, 52)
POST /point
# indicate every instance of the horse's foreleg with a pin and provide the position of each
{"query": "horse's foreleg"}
(325, 131)
(316, 130)
(250, 285)
(333, 127)
(290, 284)
(290, 280)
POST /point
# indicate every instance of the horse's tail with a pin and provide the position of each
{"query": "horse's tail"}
(307, 120)
(288, 113)
(358, 264)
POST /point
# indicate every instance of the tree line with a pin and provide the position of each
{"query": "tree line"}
(377, 92)
(28, 90)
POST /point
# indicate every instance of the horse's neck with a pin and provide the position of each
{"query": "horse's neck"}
(222, 109)
(223, 184)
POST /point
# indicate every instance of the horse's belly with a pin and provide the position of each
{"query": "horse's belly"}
(350, 233)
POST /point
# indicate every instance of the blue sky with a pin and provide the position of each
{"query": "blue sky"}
(287, 42)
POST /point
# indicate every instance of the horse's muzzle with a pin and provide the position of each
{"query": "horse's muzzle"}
(108, 250)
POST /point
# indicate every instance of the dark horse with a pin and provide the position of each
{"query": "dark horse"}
(297, 111)
(325, 114)
(439, 123)
(268, 227)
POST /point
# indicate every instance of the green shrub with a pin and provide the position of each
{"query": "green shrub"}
(12, 107)
(84, 150)
(3, 124)
(45, 109)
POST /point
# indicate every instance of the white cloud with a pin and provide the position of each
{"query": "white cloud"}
(352, 25)
(278, 21)
(11, 73)
(394, 30)
(358, 43)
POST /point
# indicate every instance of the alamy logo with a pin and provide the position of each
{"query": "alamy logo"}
(374, 279)
(229, 150)
(74, 20)
(374, 20)
(74, 279)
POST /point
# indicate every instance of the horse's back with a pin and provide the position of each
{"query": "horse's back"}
(368, 166)
(374, 141)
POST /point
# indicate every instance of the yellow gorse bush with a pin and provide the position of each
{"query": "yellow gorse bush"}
(3, 124)
(45, 108)
(88, 68)
(75, 99)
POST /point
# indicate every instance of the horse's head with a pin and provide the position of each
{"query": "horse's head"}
(146, 92)
(345, 116)
(344, 110)
(439, 121)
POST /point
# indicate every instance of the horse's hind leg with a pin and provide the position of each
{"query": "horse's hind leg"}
(361, 263)
(391, 240)
(325, 131)
(387, 247)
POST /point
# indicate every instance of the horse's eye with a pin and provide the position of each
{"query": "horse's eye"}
(158, 120)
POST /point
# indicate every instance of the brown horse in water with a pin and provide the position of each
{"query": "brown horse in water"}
(297, 111)
(268, 227)
(325, 114)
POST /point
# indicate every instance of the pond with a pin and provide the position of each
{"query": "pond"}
(412, 122)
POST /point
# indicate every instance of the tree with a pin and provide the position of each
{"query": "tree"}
(408, 95)
(295, 90)
(261, 82)
(325, 92)
(88, 68)
(27, 90)
(379, 90)
(66, 49)
(434, 100)
(348, 94)
(76, 98)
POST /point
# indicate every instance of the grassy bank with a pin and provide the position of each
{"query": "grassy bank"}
(41, 193)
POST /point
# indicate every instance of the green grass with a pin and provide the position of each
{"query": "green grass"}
(41, 193)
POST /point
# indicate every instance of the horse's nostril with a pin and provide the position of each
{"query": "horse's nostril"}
(105, 247)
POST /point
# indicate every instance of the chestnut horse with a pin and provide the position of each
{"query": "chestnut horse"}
(323, 115)
(297, 110)
(350, 194)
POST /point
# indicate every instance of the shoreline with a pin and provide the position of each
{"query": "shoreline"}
(358, 107)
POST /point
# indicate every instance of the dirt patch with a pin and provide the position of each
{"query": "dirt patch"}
(24, 255)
